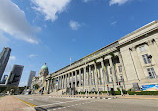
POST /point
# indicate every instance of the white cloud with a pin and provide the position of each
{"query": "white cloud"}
(3, 40)
(12, 58)
(13, 22)
(50, 8)
(86, 0)
(119, 2)
(32, 55)
(74, 25)
(114, 22)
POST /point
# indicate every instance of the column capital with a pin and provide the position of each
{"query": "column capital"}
(150, 42)
(132, 48)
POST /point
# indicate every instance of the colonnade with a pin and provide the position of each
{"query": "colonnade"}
(92, 76)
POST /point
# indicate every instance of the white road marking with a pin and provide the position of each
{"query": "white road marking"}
(58, 103)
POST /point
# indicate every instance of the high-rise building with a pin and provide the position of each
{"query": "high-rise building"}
(4, 79)
(15, 75)
(32, 74)
(4, 57)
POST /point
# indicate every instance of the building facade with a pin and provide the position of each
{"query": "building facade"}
(15, 76)
(40, 80)
(32, 74)
(5, 77)
(127, 63)
(4, 57)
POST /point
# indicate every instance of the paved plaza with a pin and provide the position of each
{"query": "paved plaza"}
(11, 103)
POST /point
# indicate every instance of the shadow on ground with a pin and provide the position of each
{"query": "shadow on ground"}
(45, 109)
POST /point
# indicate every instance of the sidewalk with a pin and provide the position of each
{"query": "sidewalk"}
(11, 103)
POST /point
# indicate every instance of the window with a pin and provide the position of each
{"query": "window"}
(146, 59)
(142, 48)
(120, 68)
(151, 72)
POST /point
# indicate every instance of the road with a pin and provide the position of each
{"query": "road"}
(49, 103)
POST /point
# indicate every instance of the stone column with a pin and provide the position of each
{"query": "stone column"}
(75, 79)
(59, 82)
(63, 81)
(72, 79)
(113, 73)
(96, 74)
(84, 78)
(69, 80)
(51, 85)
(103, 73)
(90, 79)
(66, 80)
(79, 77)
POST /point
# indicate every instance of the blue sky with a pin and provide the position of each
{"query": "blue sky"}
(52, 31)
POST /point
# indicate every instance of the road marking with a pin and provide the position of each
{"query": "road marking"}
(29, 104)
(58, 103)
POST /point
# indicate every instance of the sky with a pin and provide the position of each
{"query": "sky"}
(52, 31)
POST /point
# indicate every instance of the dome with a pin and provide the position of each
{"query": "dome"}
(44, 67)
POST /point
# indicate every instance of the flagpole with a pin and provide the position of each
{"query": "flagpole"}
(70, 61)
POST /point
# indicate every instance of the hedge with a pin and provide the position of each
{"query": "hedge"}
(143, 93)
(125, 92)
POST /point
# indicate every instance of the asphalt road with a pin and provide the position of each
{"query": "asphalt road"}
(49, 103)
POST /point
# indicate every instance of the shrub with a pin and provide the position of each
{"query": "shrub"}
(143, 93)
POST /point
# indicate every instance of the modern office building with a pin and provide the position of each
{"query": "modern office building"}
(130, 62)
(15, 75)
(32, 74)
(4, 57)
(4, 79)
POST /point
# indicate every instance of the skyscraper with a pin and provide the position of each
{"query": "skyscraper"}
(15, 75)
(4, 79)
(4, 57)
(32, 74)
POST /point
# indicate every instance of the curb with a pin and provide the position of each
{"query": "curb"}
(91, 97)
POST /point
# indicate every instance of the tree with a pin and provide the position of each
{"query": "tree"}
(36, 86)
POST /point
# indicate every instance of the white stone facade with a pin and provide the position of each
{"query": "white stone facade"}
(131, 60)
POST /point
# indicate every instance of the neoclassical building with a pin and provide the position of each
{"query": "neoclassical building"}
(40, 80)
(129, 62)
